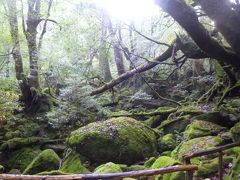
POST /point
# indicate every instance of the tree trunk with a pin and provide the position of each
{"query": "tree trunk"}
(23, 82)
(32, 22)
(103, 53)
(16, 52)
(116, 48)
(226, 19)
(188, 19)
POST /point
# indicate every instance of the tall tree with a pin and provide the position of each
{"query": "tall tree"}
(29, 86)
(103, 52)
(116, 41)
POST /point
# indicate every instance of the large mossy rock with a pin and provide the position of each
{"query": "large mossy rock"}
(121, 140)
(167, 142)
(20, 159)
(47, 160)
(235, 131)
(199, 128)
(165, 161)
(108, 168)
(195, 145)
(216, 117)
(73, 164)
(175, 125)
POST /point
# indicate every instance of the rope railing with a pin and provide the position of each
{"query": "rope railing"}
(131, 174)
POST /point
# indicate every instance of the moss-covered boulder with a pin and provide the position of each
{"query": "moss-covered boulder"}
(73, 164)
(216, 117)
(235, 131)
(47, 160)
(149, 162)
(121, 140)
(194, 145)
(20, 159)
(1, 169)
(165, 161)
(175, 125)
(199, 128)
(108, 168)
(167, 142)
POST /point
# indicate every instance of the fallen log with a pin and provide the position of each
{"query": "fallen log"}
(167, 54)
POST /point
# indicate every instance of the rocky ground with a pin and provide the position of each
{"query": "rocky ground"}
(125, 142)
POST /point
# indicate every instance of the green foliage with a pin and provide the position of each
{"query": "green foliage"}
(8, 98)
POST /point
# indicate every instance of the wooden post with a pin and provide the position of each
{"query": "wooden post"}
(189, 174)
(220, 167)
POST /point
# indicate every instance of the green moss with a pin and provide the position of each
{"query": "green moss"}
(234, 152)
(235, 170)
(20, 159)
(108, 168)
(17, 143)
(1, 169)
(136, 168)
(14, 171)
(29, 129)
(235, 131)
(149, 162)
(208, 168)
(167, 142)
(123, 140)
(53, 172)
(47, 160)
(164, 161)
(215, 117)
(194, 145)
(174, 176)
(172, 125)
(199, 128)
(73, 164)
(166, 153)
(14, 134)
(154, 121)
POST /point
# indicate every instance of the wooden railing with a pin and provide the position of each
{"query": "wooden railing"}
(219, 150)
(135, 174)
(132, 174)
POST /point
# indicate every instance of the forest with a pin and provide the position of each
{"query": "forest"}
(108, 89)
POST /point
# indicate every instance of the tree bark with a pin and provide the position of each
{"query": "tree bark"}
(103, 53)
(116, 48)
(31, 34)
(16, 52)
(226, 19)
(188, 19)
